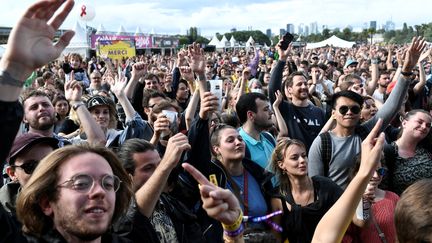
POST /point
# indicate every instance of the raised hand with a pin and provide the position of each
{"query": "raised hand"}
(371, 150)
(195, 59)
(220, 204)
(139, 69)
(283, 54)
(161, 124)
(209, 103)
(73, 89)
(413, 53)
(177, 144)
(279, 98)
(30, 43)
(117, 85)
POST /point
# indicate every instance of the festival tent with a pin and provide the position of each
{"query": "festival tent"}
(224, 42)
(214, 41)
(332, 41)
(121, 30)
(100, 30)
(79, 43)
(233, 41)
(138, 32)
(250, 41)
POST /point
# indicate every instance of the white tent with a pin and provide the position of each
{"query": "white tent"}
(332, 41)
(79, 43)
(233, 41)
(214, 41)
(100, 30)
(138, 32)
(250, 41)
(224, 42)
(121, 30)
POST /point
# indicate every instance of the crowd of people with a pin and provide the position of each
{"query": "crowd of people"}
(323, 145)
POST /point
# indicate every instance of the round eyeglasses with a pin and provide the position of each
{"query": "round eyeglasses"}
(84, 183)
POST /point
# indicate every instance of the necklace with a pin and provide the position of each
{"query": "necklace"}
(305, 203)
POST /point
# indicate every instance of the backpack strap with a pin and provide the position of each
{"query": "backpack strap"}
(270, 138)
(326, 151)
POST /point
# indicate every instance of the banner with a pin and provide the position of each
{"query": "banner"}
(165, 42)
(116, 49)
(141, 42)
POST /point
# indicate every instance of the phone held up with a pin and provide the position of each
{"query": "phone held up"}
(286, 40)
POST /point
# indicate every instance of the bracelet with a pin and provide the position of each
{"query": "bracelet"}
(236, 225)
(6, 78)
(234, 233)
(374, 61)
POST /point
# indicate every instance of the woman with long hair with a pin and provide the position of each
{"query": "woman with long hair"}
(409, 157)
(303, 200)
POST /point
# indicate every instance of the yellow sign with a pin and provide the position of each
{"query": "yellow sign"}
(116, 49)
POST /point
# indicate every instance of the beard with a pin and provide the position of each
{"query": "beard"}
(69, 225)
(42, 126)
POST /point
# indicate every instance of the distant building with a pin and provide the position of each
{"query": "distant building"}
(389, 25)
(314, 28)
(306, 31)
(282, 32)
(373, 25)
(268, 33)
(300, 29)
(290, 28)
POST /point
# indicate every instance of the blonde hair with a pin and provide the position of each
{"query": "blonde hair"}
(42, 186)
(279, 155)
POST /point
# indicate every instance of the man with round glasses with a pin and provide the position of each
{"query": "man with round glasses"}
(332, 153)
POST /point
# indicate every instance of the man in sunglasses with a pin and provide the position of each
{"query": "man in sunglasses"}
(27, 150)
(332, 153)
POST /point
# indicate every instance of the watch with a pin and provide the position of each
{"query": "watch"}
(76, 105)
(6, 78)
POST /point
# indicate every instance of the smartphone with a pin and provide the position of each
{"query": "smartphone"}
(286, 40)
(172, 117)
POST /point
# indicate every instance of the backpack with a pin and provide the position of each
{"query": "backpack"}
(326, 151)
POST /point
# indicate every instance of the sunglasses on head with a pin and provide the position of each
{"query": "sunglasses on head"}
(28, 166)
(354, 109)
(381, 171)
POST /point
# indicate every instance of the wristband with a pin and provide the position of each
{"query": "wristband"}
(236, 225)
(374, 61)
(234, 233)
(6, 78)
(76, 105)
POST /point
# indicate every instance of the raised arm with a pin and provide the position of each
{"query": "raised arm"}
(418, 88)
(191, 108)
(139, 69)
(335, 222)
(371, 85)
(283, 129)
(393, 103)
(276, 74)
(29, 46)
(148, 195)
(93, 131)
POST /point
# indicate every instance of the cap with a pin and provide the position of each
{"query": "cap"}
(99, 100)
(26, 141)
(350, 62)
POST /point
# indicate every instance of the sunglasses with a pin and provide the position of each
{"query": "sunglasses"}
(354, 109)
(381, 171)
(28, 166)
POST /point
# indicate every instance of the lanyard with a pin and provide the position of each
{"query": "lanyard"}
(245, 192)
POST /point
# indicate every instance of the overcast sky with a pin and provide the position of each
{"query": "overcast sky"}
(173, 17)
